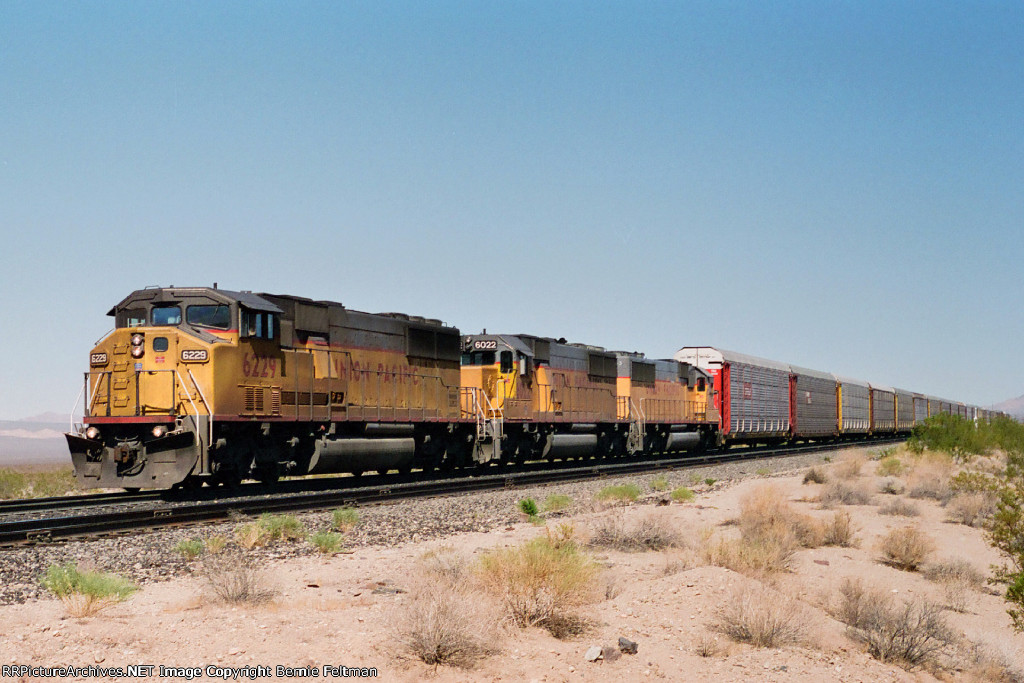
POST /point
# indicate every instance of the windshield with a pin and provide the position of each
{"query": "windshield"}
(217, 316)
(166, 315)
(478, 358)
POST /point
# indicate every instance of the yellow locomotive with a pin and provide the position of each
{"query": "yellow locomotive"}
(199, 384)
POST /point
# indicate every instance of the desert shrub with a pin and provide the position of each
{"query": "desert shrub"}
(214, 544)
(849, 467)
(762, 471)
(763, 618)
(707, 646)
(660, 483)
(710, 482)
(765, 514)
(556, 502)
(910, 634)
(235, 578)
(445, 622)
(995, 659)
(251, 535)
(326, 542)
(844, 493)
(528, 506)
(891, 486)
(890, 466)
(840, 531)
(282, 527)
(968, 481)
(678, 560)
(650, 533)
(344, 519)
(190, 549)
(971, 509)
(36, 484)
(906, 548)
(540, 584)
(757, 558)
(899, 507)
(930, 478)
(682, 495)
(445, 563)
(815, 475)
(951, 434)
(959, 579)
(622, 492)
(12, 483)
(85, 593)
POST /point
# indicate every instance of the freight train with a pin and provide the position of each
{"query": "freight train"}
(205, 385)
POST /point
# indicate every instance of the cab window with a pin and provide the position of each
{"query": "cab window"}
(166, 315)
(218, 317)
(506, 361)
(257, 324)
(133, 317)
(478, 358)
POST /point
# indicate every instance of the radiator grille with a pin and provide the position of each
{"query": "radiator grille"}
(254, 399)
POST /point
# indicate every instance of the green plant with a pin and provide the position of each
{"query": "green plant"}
(660, 483)
(762, 471)
(890, 466)
(326, 542)
(214, 544)
(682, 495)
(528, 506)
(622, 492)
(190, 549)
(710, 482)
(556, 502)
(345, 519)
(85, 592)
(282, 527)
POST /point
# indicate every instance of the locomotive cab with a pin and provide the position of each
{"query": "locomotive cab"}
(150, 388)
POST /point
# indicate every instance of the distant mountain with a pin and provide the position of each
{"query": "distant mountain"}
(35, 440)
(46, 417)
(1013, 406)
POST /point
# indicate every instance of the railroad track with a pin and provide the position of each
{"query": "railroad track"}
(160, 513)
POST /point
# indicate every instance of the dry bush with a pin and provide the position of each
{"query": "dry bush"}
(906, 548)
(910, 634)
(959, 580)
(679, 560)
(251, 535)
(815, 475)
(445, 620)
(444, 563)
(762, 617)
(840, 531)
(845, 493)
(995, 659)
(653, 532)
(707, 645)
(765, 515)
(930, 478)
(540, 584)
(848, 467)
(751, 557)
(972, 509)
(898, 507)
(891, 486)
(235, 578)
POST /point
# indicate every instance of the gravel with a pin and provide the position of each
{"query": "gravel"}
(151, 556)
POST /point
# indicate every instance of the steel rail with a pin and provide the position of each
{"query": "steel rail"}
(52, 528)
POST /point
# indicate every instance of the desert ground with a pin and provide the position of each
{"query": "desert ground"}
(358, 607)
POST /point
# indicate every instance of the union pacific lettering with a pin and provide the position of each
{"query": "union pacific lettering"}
(366, 371)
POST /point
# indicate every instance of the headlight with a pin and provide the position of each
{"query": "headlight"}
(92, 433)
(159, 431)
(137, 339)
(137, 351)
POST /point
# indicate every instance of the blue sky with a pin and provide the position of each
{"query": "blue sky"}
(832, 184)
